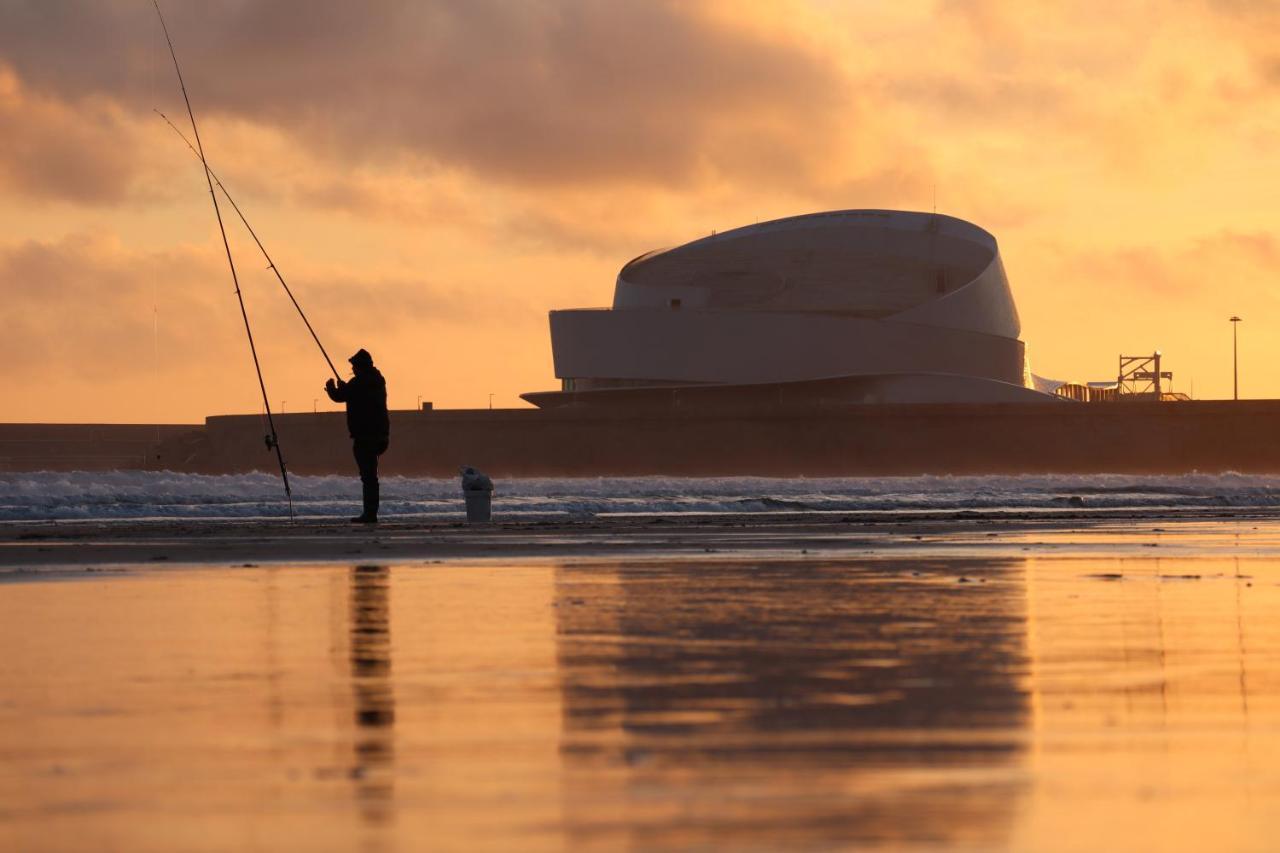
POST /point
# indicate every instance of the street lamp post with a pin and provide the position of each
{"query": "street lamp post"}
(1235, 360)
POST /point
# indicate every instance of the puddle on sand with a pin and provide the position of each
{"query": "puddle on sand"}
(1024, 704)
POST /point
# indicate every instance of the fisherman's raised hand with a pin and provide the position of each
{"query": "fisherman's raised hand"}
(328, 384)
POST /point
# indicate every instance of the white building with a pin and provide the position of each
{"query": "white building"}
(899, 307)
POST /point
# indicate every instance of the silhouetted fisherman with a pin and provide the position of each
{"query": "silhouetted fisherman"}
(368, 423)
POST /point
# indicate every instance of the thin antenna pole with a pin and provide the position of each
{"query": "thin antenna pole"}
(1235, 359)
(273, 439)
(155, 351)
(271, 265)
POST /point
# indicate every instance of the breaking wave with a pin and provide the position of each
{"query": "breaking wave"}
(147, 495)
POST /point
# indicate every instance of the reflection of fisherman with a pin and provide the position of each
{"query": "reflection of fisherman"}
(367, 421)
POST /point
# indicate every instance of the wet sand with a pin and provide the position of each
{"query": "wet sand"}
(1068, 686)
(71, 546)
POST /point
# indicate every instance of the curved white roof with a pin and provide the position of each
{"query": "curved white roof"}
(873, 264)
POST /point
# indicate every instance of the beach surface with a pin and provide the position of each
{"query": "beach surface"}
(1022, 681)
(62, 546)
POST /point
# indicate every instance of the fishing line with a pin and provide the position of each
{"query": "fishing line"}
(271, 265)
(272, 439)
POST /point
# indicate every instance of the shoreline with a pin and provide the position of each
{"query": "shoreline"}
(34, 548)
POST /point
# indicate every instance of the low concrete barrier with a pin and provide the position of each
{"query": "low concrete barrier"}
(1166, 437)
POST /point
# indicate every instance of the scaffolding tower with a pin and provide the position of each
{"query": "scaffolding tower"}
(1141, 376)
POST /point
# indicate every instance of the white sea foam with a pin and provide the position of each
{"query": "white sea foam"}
(137, 494)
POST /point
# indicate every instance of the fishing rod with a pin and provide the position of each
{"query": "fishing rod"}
(273, 439)
(271, 265)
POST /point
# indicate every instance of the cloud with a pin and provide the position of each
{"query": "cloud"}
(430, 173)
(531, 93)
(87, 303)
(1239, 260)
(986, 100)
(990, 23)
(1253, 24)
(50, 150)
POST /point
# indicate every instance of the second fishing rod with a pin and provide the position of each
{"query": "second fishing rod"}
(273, 438)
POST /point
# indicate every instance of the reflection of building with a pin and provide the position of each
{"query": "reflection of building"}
(792, 705)
(902, 307)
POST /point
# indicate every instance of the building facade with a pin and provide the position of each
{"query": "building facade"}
(871, 306)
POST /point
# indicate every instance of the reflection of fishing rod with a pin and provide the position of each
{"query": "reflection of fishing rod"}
(271, 265)
(273, 440)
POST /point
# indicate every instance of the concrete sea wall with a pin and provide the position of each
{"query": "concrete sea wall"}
(1132, 437)
(94, 447)
(1136, 437)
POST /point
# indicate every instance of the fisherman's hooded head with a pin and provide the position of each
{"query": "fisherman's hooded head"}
(361, 361)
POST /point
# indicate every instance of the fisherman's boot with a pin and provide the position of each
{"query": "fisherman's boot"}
(370, 514)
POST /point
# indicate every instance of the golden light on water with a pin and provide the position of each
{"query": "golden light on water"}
(1039, 703)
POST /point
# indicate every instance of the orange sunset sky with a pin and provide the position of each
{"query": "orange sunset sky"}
(433, 177)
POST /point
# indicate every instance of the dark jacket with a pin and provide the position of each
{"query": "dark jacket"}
(366, 399)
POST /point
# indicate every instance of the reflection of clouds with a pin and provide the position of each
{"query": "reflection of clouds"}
(825, 695)
(372, 692)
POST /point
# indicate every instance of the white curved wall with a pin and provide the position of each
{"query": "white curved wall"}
(746, 347)
(983, 305)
